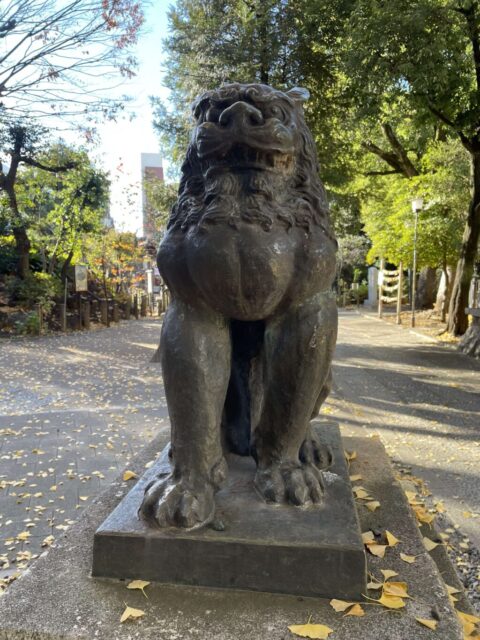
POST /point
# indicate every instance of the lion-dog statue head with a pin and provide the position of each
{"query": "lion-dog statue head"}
(254, 127)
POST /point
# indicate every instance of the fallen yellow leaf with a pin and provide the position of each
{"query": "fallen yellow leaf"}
(350, 455)
(373, 505)
(340, 605)
(314, 631)
(130, 612)
(452, 590)
(355, 478)
(138, 584)
(360, 493)
(468, 617)
(391, 602)
(374, 585)
(423, 516)
(411, 496)
(377, 549)
(356, 611)
(396, 589)
(368, 537)
(24, 535)
(129, 475)
(429, 544)
(406, 558)
(391, 539)
(430, 624)
(388, 573)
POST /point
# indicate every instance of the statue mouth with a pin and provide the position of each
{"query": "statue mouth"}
(242, 157)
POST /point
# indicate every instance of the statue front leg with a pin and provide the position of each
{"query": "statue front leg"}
(298, 352)
(195, 354)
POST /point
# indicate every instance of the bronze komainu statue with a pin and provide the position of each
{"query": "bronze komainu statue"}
(247, 341)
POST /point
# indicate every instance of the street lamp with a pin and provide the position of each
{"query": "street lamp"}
(417, 206)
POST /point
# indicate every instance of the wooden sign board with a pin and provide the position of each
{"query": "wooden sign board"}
(81, 278)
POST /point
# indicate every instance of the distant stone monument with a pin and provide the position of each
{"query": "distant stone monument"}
(246, 351)
(372, 299)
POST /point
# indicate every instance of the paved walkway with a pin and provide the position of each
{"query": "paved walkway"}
(422, 399)
(75, 408)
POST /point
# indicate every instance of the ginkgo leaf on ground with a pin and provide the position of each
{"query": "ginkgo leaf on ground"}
(138, 584)
(373, 505)
(452, 590)
(130, 612)
(313, 631)
(368, 537)
(129, 475)
(407, 558)
(391, 539)
(377, 549)
(429, 544)
(374, 585)
(430, 624)
(355, 478)
(356, 610)
(388, 573)
(340, 605)
(391, 602)
(399, 589)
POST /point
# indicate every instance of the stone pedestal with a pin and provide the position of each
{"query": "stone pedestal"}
(313, 551)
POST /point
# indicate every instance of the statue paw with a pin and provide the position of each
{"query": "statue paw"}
(173, 503)
(315, 453)
(293, 483)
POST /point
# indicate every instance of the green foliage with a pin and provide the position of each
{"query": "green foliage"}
(387, 212)
(115, 259)
(37, 288)
(61, 207)
(284, 43)
(160, 198)
(8, 258)
(29, 325)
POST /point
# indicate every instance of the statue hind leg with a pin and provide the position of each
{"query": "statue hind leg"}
(195, 355)
(298, 351)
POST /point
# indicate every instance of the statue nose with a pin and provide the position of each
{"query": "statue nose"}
(241, 114)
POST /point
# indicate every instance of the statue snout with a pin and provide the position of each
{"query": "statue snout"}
(241, 115)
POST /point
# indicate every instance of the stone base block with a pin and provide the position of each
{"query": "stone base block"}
(312, 551)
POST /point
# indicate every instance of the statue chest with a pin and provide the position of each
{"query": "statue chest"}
(244, 272)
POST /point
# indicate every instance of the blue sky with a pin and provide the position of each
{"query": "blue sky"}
(123, 141)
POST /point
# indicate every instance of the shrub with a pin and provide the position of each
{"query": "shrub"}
(38, 288)
(8, 257)
(30, 325)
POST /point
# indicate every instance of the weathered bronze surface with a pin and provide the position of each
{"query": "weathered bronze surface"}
(247, 341)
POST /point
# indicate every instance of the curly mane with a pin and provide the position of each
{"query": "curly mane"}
(302, 202)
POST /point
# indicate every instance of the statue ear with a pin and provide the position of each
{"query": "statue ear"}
(299, 94)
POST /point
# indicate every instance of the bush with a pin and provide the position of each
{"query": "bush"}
(30, 325)
(38, 288)
(8, 257)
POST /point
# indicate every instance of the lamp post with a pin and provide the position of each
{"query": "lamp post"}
(417, 206)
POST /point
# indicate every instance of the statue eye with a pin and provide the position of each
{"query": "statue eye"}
(212, 114)
(277, 112)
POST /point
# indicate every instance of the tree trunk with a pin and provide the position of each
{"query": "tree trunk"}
(444, 291)
(426, 287)
(22, 246)
(457, 319)
(66, 265)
